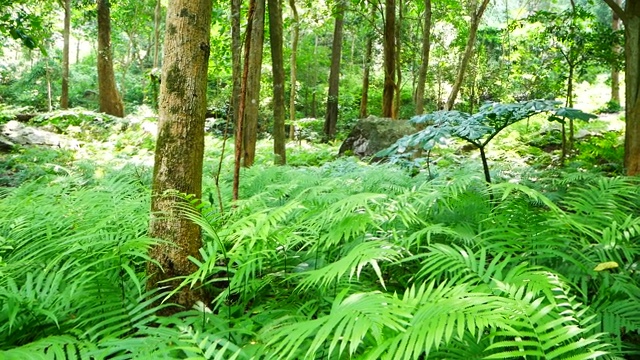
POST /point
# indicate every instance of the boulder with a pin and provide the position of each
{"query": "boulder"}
(20, 134)
(373, 134)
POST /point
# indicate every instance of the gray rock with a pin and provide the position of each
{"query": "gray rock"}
(373, 134)
(21, 134)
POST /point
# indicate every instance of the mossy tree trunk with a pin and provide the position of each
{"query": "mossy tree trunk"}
(180, 144)
(630, 17)
(110, 101)
(252, 103)
(331, 120)
(277, 65)
(424, 63)
(64, 96)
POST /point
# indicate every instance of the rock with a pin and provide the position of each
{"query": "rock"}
(373, 134)
(21, 134)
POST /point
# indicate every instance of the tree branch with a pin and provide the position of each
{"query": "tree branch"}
(616, 9)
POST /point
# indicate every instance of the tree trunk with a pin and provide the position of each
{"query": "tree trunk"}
(389, 66)
(252, 105)
(395, 114)
(277, 65)
(64, 96)
(294, 66)
(476, 17)
(331, 119)
(424, 64)
(630, 17)
(364, 99)
(615, 72)
(110, 101)
(236, 61)
(156, 33)
(180, 145)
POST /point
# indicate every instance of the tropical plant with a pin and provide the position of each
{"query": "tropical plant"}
(477, 129)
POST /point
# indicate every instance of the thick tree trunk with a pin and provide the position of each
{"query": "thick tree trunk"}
(110, 101)
(180, 145)
(277, 65)
(295, 35)
(424, 64)
(615, 73)
(630, 17)
(252, 104)
(476, 17)
(64, 96)
(331, 119)
(389, 46)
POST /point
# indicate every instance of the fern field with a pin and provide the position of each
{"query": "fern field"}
(341, 261)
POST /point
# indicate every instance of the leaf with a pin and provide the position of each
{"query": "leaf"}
(606, 266)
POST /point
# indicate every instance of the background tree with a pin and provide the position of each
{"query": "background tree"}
(389, 46)
(180, 144)
(277, 66)
(110, 101)
(367, 62)
(64, 96)
(295, 35)
(252, 103)
(477, 10)
(615, 72)
(424, 58)
(331, 119)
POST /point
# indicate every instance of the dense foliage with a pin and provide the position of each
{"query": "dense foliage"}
(341, 260)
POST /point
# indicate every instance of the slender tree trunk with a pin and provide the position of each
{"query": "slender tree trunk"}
(180, 146)
(252, 105)
(294, 67)
(424, 64)
(476, 17)
(47, 71)
(364, 99)
(395, 114)
(331, 119)
(239, 133)
(110, 101)
(156, 33)
(236, 61)
(615, 72)
(389, 46)
(277, 64)
(314, 81)
(64, 96)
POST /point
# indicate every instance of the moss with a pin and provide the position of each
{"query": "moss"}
(172, 29)
(175, 81)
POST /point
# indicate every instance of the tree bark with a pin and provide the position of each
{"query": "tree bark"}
(615, 72)
(64, 96)
(277, 65)
(295, 35)
(476, 17)
(630, 17)
(252, 105)
(331, 119)
(180, 145)
(236, 61)
(389, 55)
(110, 101)
(424, 64)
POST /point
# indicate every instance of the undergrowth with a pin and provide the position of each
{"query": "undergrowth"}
(343, 260)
